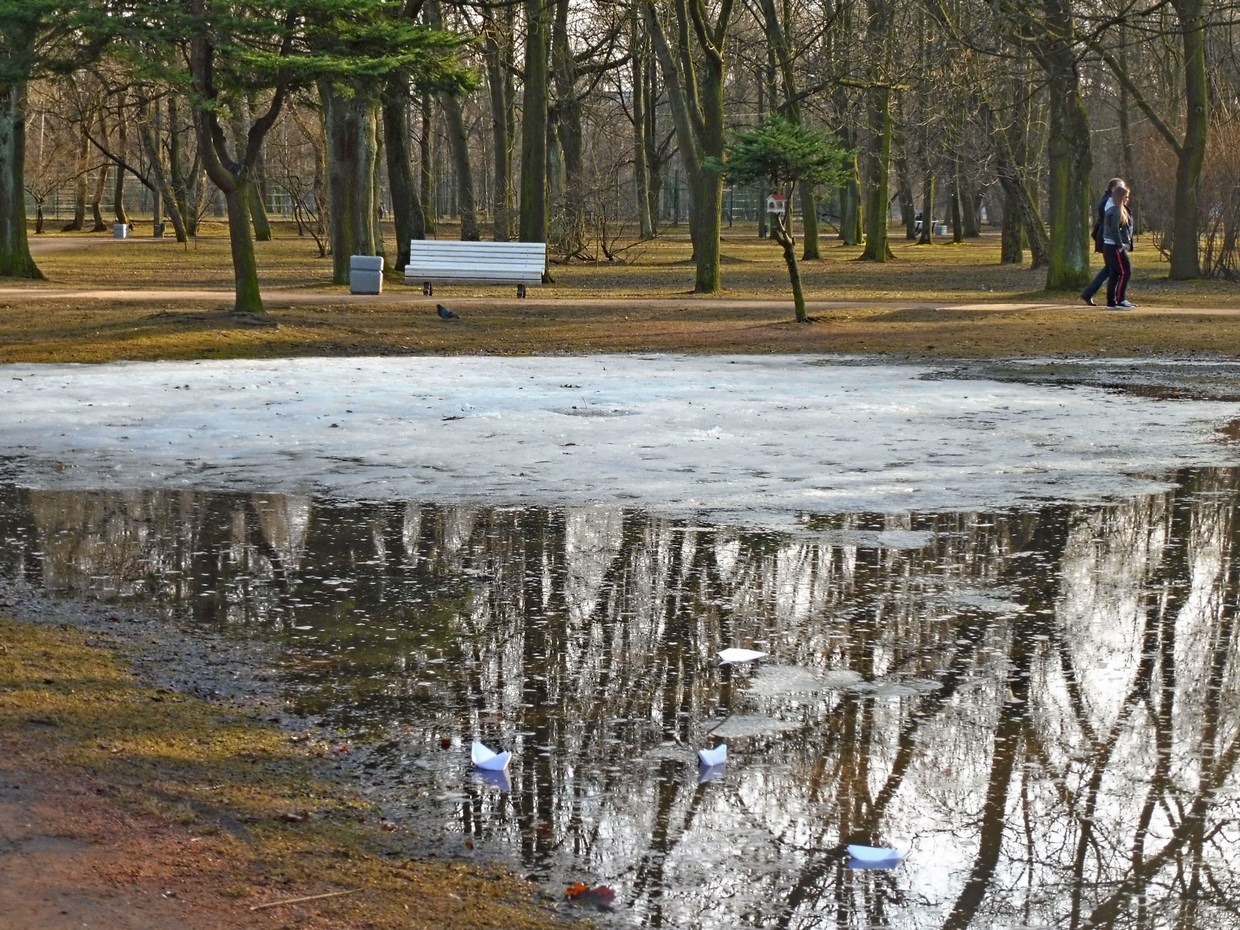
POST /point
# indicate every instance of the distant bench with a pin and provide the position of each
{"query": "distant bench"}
(451, 261)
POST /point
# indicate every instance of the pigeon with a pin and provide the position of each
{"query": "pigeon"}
(446, 313)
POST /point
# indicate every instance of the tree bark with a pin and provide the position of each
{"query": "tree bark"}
(498, 57)
(458, 143)
(148, 137)
(876, 159)
(15, 258)
(694, 69)
(352, 144)
(1069, 153)
(118, 184)
(573, 233)
(533, 201)
(228, 174)
(641, 142)
(408, 212)
(1186, 229)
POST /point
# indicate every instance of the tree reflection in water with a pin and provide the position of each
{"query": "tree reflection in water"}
(1038, 706)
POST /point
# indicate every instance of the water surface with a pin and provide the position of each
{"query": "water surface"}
(1037, 706)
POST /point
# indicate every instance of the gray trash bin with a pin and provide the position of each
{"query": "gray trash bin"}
(120, 230)
(366, 274)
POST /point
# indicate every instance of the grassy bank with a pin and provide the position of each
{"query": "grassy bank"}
(215, 807)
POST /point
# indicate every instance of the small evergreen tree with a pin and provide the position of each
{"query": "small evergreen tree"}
(782, 155)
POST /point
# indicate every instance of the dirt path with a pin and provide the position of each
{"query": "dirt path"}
(70, 859)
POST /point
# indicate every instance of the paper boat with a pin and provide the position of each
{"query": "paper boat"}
(713, 757)
(872, 857)
(487, 760)
(740, 655)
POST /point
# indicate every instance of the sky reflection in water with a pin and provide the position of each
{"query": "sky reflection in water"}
(1037, 707)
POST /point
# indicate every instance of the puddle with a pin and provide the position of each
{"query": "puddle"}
(997, 603)
(1038, 706)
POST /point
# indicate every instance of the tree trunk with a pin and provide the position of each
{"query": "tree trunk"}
(258, 211)
(850, 211)
(876, 175)
(533, 202)
(693, 72)
(1069, 155)
(927, 207)
(164, 193)
(641, 144)
(78, 223)
(352, 144)
(96, 200)
(957, 212)
(1186, 230)
(1011, 238)
(876, 160)
(241, 241)
(781, 233)
(178, 173)
(458, 143)
(118, 184)
(408, 212)
(574, 236)
(230, 175)
(15, 258)
(498, 58)
(426, 168)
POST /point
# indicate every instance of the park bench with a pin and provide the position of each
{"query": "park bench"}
(451, 261)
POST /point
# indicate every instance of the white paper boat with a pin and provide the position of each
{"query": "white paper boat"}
(873, 856)
(488, 760)
(713, 757)
(740, 655)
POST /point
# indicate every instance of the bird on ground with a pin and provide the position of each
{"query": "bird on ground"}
(446, 313)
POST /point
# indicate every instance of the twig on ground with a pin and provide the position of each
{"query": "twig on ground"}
(313, 897)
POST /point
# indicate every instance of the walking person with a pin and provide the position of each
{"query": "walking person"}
(1100, 278)
(1116, 244)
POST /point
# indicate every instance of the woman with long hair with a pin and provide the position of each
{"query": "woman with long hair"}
(1116, 244)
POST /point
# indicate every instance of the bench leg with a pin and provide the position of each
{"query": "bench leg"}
(428, 289)
(520, 290)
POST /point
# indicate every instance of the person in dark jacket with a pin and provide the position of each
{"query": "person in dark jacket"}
(1116, 244)
(1100, 278)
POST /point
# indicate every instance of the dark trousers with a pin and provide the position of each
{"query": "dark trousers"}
(1119, 271)
(1096, 284)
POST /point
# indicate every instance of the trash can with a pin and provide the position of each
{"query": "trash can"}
(159, 230)
(365, 274)
(120, 230)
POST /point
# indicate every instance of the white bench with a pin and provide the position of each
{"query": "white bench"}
(453, 261)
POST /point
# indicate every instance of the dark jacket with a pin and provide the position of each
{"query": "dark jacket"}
(1102, 210)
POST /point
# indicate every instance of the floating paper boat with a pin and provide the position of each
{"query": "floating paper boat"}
(713, 757)
(487, 760)
(872, 857)
(740, 655)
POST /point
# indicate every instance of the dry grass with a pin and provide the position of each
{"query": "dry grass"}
(937, 300)
(208, 805)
